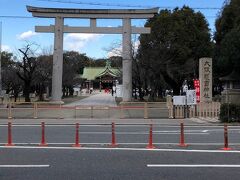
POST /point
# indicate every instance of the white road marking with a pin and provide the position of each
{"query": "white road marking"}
(140, 133)
(188, 131)
(53, 125)
(103, 143)
(120, 149)
(195, 165)
(220, 130)
(24, 166)
(178, 131)
(124, 125)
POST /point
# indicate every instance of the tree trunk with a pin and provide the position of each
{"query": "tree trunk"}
(15, 96)
(27, 91)
(41, 91)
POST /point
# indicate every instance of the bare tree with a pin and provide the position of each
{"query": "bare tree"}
(26, 70)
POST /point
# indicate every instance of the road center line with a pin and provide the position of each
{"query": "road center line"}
(195, 165)
(24, 166)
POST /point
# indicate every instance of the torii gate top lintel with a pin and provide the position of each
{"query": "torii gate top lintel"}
(93, 13)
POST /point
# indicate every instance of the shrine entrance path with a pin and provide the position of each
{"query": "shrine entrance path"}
(102, 99)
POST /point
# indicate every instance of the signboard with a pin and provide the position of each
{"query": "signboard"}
(179, 100)
(196, 83)
(205, 76)
(191, 97)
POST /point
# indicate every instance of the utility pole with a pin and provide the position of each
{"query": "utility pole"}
(1, 59)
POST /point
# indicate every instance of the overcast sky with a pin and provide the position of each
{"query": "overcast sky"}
(17, 31)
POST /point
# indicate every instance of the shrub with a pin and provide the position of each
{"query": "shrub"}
(230, 113)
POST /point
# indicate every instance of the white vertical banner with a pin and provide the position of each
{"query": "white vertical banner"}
(205, 77)
(119, 90)
(191, 97)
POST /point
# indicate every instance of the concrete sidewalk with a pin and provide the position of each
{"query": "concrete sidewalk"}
(102, 99)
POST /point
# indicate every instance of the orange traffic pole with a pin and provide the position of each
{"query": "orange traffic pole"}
(9, 143)
(182, 140)
(226, 147)
(113, 144)
(43, 141)
(77, 144)
(150, 142)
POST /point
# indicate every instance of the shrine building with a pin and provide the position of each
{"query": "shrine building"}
(101, 77)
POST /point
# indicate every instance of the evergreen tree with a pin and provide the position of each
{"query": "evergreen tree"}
(227, 37)
(171, 52)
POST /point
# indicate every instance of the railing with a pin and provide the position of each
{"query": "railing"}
(208, 109)
(95, 108)
(211, 110)
(48, 110)
(124, 110)
(145, 107)
(29, 109)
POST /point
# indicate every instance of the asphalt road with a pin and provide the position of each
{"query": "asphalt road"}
(202, 159)
(62, 164)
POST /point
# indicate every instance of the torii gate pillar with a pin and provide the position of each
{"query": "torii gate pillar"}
(127, 60)
(57, 60)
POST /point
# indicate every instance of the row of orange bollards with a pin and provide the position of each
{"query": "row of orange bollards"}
(182, 139)
(113, 142)
(181, 143)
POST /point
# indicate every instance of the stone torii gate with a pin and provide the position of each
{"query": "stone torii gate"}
(93, 14)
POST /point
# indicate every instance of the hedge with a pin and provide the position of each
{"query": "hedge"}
(231, 110)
